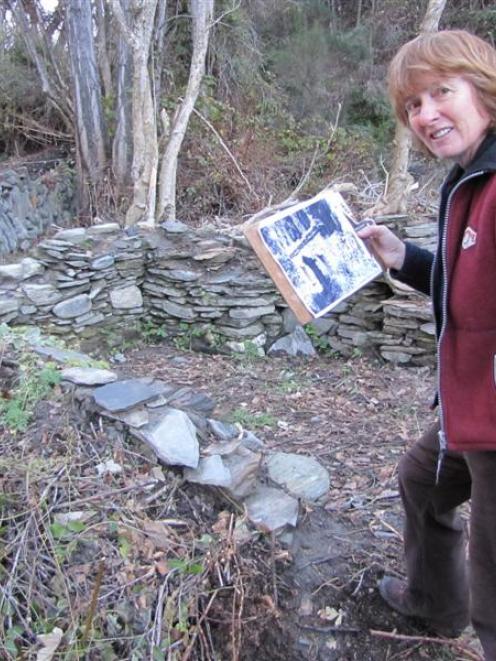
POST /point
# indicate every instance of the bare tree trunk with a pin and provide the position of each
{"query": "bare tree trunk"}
(400, 181)
(159, 47)
(201, 13)
(145, 149)
(87, 99)
(430, 22)
(122, 146)
(334, 17)
(52, 83)
(359, 13)
(102, 48)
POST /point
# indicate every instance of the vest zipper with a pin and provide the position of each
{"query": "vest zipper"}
(443, 440)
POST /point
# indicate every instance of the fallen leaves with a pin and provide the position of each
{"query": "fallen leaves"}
(50, 642)
(331, 614)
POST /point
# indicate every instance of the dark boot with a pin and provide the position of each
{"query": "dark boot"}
(395, 593)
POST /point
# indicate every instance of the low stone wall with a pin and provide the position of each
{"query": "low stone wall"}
(29, 206)
(200, 284)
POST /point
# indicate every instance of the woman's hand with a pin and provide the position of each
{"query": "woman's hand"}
(385, 246)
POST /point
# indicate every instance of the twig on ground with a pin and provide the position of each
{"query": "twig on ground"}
(330, 629)
(317, 561)
(94, 599)
(194, 636)
(360, 581)
(121, 588)
(331, 583)
(273, 566)
(391, 528)
(157, 624)
(456, 645)
(307, 174)
(109, 495)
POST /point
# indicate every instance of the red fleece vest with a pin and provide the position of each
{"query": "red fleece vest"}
(467, 351)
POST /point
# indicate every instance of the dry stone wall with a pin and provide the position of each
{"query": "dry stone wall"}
(29, 206)
(201, 284)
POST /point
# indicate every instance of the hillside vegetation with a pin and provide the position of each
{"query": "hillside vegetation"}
(293, 96)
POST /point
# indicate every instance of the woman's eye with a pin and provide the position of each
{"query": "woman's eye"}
(442, 91)
(412, 106)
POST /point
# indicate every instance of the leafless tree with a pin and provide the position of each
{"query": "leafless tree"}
(136, 25)
(201, 13)
(88, 111)
(41, 51)
(122, 146)
(116, 57)
(399, 182)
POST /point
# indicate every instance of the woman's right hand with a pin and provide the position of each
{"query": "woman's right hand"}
(385, 246)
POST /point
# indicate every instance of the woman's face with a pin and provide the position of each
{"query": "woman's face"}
(447, 116)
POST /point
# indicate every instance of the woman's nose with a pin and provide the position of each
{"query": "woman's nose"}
(428, 111)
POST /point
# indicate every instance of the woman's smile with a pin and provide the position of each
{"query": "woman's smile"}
(448, 118)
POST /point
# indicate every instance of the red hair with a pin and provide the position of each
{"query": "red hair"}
(444, 53)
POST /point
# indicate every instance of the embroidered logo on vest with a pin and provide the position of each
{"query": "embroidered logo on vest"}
(469, 238)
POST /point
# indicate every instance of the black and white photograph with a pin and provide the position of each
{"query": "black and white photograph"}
(316, 247)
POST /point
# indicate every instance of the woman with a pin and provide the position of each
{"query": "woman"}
(443, 87)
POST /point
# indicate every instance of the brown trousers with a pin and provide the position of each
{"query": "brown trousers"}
(446, 588)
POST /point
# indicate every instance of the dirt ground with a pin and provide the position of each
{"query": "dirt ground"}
(357, 417)
(130, 578)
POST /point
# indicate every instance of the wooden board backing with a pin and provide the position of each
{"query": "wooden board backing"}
(276, 273)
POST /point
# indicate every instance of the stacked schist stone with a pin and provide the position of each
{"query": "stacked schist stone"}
(408, 331)
(77, 282)
(407, 316)
(358, 321)
(197, 283)
(101, 285)
(207, 281)
(29, 206)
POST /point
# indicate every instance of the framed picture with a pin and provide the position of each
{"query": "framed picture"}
(313, 254)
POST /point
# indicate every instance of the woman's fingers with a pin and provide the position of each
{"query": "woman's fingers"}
(387, 247)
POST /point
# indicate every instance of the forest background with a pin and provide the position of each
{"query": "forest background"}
(206, 110)
(290, 94)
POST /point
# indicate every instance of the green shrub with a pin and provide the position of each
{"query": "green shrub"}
(369, 109)
(34, 384)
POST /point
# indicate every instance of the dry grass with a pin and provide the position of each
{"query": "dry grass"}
(133, 564)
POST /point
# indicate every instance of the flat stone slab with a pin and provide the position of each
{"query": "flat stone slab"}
(211, 470)
(252, 442)
(175, 227)
(295, 344)
(269, 509)
(73, 307)
(251, 312)
(302, 476)
(103, 262)
(104, 228)
(88, 376)
(224, 431)
(244, 466)
(123, 395)
(62, 355)
(76, 235)
(42, 294)
(185, 398)
(173, 439)
(323, 325)
(126, 298)
(23, 270)
(8, 305)
(136, 417)
(429, 328)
